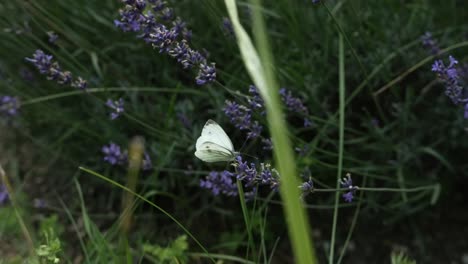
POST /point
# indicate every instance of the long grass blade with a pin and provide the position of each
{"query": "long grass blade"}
(260, 69)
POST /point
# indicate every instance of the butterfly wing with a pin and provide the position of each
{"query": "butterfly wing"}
(214, 133)
(213, 152)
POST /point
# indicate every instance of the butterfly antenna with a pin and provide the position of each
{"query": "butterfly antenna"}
(245, 154)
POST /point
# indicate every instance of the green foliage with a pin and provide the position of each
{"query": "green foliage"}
(9, 225)
(401, 258)
(50, 248)
(175, 252)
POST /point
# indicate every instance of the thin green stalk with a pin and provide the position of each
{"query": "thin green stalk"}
(152, 204)
(245, 213)
(342, 91)
(417, 66)
(12, 197)
(353, 224)
(260, 69)
(108, 89)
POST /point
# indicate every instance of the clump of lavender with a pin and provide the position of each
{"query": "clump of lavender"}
(347, 183)
(114, 155)
(430, 43)
(241, 117)
(116, 106)
(52, 37)
(220, 183)
(227, 27)
(3, 194)
(45, 64)
(9, 105)
(158, 26)
(295, 105)
(449, 76)
(224, 182)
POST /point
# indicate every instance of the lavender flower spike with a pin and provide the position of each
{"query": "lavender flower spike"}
(3, 194)
(450, 78)
(9, 105)
(117, 107)
(112, 154)
(347, 182)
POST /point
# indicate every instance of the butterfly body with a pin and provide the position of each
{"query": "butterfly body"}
(214, 145)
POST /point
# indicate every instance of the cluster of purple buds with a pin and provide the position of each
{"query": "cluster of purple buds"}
(227, 27)
(114, 155)
(307, 187)
(220, 183)
(253, 177)
(347, 183)
(158, 26)
(450, 78)
(429, 43)
(54, 72)
(9, 105)
(116, 106)
(241, 117)
(3, 194)
(295, 105)
(52, 37)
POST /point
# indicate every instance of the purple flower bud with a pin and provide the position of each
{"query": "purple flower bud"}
(116, 106)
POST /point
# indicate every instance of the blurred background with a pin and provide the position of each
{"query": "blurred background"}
(402, 131)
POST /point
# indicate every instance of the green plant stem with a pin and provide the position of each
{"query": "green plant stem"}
(340, 145)
(245, 213)
(152, 204)
(108, 89)
(12, 197)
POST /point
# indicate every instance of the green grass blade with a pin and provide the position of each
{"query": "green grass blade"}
(150, 203)
(342, 91)
(261, 71)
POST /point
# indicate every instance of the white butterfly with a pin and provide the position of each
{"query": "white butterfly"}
(214, 145)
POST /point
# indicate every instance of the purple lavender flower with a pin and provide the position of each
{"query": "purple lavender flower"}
(347, 182)
(184, 120)
(116, 106)
(251, 177)
(256, 102)
(42, 61)
(307, 122)
(307, 186)
(9, 105)
(255, 130)
(465, 114)
(52, 37)
(3, 194)
(227, 26)
(269, 176)
(158, 26)
(112, 154)
(294, 104)
(267, 144)
(80, 83)
(206, 74)
(429, 43)
(146, 163)
(220, 182)
(39, 203)
(239, 115)
(450, 78)
(46, 66)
